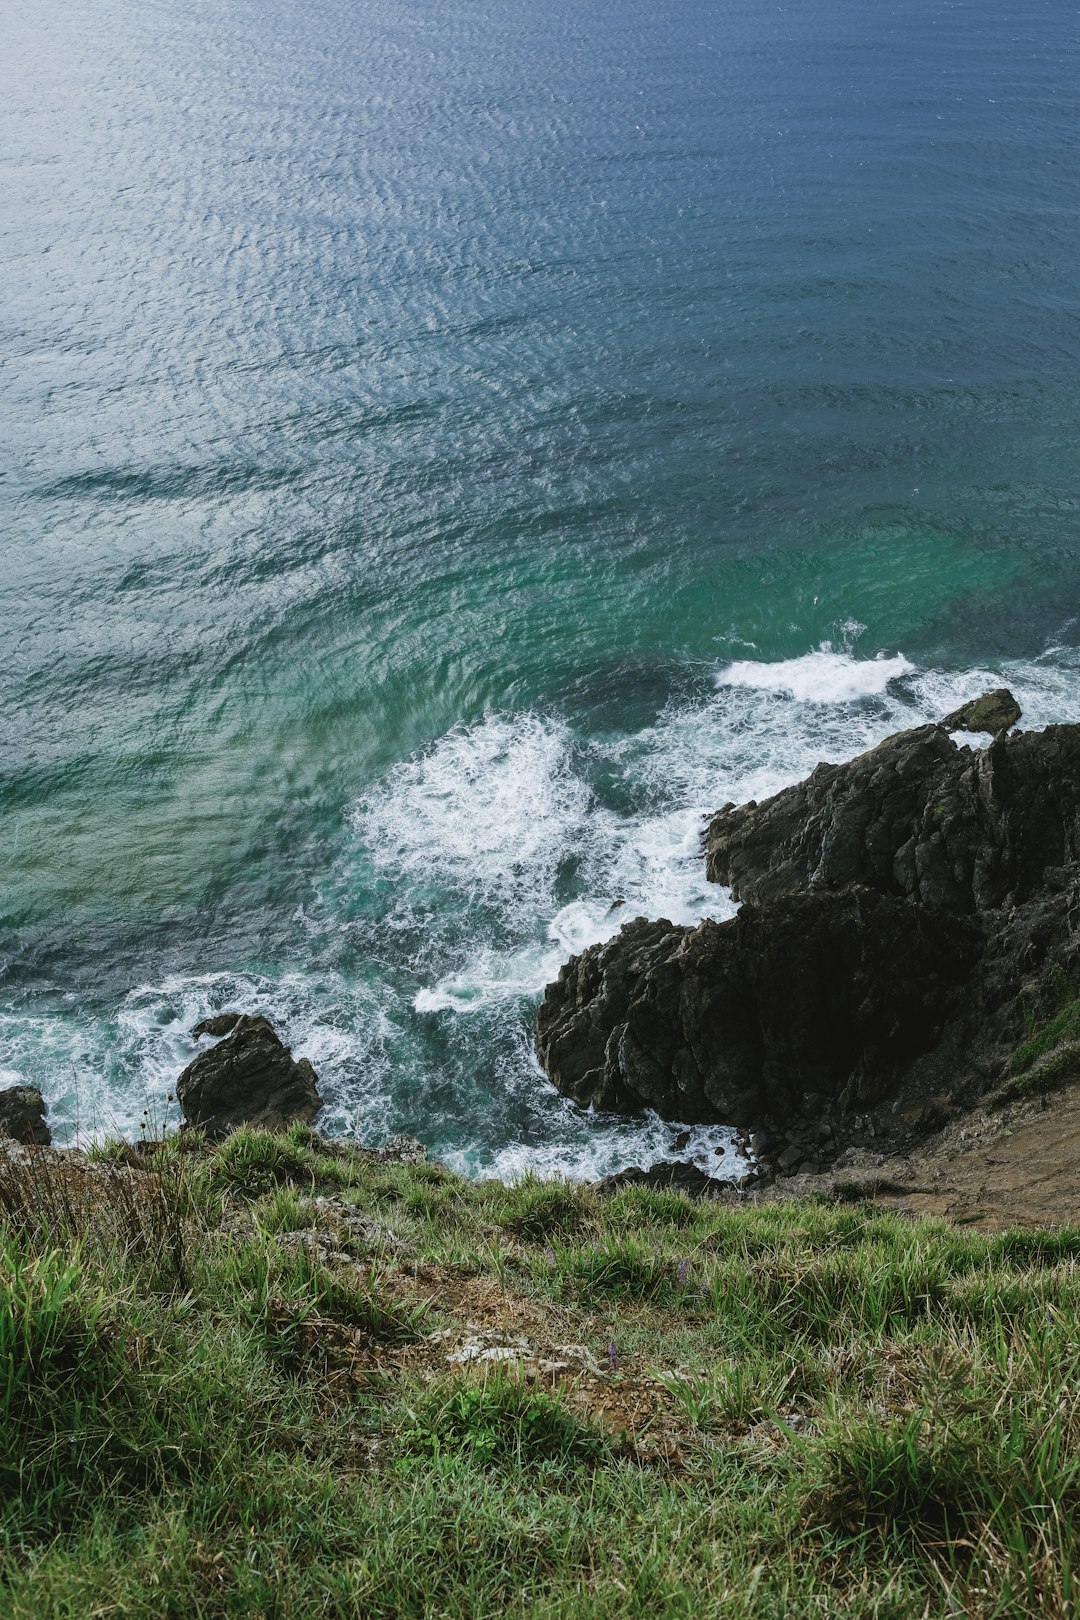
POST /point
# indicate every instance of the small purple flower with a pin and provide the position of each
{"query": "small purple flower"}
(613, 1356)
(549, 1256)
(684, 1270)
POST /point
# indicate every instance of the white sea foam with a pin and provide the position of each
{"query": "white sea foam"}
(753, 737)
(491, 977)
(822, 676)
(65, 1057)
(642, 867)
(492, 809)
(490, 818)
(495, 857)
(654, 866)
(606, 1147)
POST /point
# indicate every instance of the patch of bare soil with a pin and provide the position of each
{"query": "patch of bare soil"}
(992, 1168)
(495, 1327)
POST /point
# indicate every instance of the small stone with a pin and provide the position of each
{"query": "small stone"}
(789, 1158)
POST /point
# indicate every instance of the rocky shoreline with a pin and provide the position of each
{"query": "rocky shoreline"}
(907, 947)
(903, 974)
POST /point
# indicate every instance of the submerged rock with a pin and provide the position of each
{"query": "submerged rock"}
(22, 1116)
(673, 1174)
(249, 1078)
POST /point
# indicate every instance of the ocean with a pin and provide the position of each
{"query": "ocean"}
(449, 451)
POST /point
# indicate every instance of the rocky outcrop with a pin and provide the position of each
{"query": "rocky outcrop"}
(249, 1078)
(958, 829)
(673, 1175)
(217, 1025)
(401, 1149)
(993, 712)
(737, 1021)
(22, 1116)
(908, 918)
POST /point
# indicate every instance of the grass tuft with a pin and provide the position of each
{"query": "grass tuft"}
(1064, 1026)
(539, 1211)
(499, 1423)
(627, 1270)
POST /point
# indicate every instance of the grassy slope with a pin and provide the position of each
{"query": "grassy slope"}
(223, 1398)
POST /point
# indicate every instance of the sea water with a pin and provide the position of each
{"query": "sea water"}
(449, 451)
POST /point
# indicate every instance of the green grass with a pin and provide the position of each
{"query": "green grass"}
(498, 1423)
(219, 1398)
(1064, 1026)
(1045, 1075)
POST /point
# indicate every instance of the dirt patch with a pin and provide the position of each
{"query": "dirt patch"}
(493, 1330)
(992, 1168)
(536, 1340)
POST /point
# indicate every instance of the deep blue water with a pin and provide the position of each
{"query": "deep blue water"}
(448, 450)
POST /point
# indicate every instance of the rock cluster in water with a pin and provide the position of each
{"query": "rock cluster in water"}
(907, 918)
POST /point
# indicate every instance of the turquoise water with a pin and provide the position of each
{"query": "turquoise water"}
(448, 451)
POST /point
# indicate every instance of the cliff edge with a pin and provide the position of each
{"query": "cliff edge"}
(907, 945)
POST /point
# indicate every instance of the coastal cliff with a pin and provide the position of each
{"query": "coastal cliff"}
(910, 926)
(253, 1371)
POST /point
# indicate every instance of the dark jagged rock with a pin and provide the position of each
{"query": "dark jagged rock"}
(993, 712)
(909, 919)
(217, 1025)
(672, 1174)
(959, 829)
(736, 1021)
(249, 1078)
(22, 1116)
